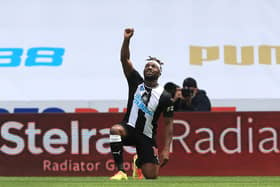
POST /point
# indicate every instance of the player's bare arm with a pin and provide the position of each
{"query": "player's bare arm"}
(168, 134)
(125, 52)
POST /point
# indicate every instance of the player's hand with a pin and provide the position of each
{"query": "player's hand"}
(164, 158)
(128, 33)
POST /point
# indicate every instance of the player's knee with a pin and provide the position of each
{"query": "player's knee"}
(150, 171)
(151, 176)
(117, 130)
(114, 130)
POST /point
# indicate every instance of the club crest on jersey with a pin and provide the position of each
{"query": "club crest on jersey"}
(139, 102)
(142, 88)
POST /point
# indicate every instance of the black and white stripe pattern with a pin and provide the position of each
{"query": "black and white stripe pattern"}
(145, 105)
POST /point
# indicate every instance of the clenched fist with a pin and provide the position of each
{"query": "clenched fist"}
(128, 33)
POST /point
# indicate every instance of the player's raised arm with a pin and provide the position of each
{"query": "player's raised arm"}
(125, 53)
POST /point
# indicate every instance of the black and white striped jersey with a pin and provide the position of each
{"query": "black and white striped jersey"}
(145, 105)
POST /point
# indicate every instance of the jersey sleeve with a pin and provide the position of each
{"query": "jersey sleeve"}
(168, 105)
(134, 79)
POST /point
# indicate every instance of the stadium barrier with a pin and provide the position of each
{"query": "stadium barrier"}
(204, 144)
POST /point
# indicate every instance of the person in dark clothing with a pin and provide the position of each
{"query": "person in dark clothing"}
(192, 99)
(172, 89)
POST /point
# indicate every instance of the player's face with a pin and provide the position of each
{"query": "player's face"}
(151, 71)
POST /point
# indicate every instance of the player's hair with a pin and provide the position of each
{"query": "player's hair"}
(159, 62)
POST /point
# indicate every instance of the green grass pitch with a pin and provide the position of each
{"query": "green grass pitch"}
(160, 182)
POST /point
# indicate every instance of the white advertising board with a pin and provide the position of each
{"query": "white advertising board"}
(69, 50)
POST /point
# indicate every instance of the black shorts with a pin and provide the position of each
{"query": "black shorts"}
(146, 147)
